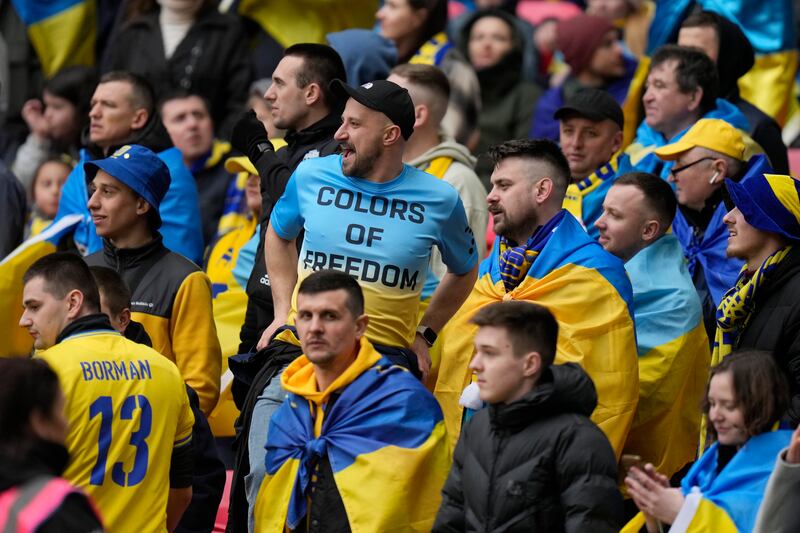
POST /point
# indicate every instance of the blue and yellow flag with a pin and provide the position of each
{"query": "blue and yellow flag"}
(384, 437)
(12, 267)
(62, 32)
(589, 293)
(308, 21)
(673, 357)
(726, 501)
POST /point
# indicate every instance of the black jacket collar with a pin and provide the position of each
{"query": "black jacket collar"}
(322, 129)
(123, 258)
(86, 323)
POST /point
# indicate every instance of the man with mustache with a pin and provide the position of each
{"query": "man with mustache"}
(542, 254)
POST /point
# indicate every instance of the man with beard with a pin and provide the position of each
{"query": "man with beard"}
(542, 254)
(367, 214)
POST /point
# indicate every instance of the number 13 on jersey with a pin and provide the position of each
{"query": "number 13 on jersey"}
(103, 407)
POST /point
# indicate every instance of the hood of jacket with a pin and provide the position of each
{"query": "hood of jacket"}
(735, 57)
(497, 79)
(300, 378)
(367, 56)
(447, 148)
(563, 388)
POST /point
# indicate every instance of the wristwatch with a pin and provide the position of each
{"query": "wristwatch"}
(427, 334)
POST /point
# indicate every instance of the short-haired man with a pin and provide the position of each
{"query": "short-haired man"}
(442, 157)
(123, 112)
(535, 439)
(590, 134)
(762, 309)
(188, 121)
(358, 443)
(711, 152)
(171, 296)
(126, 405)
(670, 336)
(591, 47)
(208, 480)
(301, 103)
(727, 45)
(543, 254)
(682, 88)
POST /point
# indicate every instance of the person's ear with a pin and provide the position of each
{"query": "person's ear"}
(651, 230)
(140, 117)
(124, 319)
(391, 134)
(142, 207)
(361, 325)
(617, 144)
(532, 364)
(720, 167)
(544, 189)
(313, 94)
(74, 300)
(421, 115)
(696, 99)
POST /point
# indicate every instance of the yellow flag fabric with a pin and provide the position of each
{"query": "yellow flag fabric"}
(63, 32)
(229, 304)
(16, 341)
(308, 21)
(589, 294)
(769, 84)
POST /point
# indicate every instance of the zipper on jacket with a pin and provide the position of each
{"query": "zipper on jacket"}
(496, 445)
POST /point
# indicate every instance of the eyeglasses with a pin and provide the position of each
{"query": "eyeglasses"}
(675, 171)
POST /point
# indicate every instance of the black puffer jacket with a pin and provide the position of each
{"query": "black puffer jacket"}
(775, 324)
(536, 465)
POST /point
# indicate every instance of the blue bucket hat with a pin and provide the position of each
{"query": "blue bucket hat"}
(140, 169)
(768, 202)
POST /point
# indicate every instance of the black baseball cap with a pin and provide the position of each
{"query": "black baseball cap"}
(384, 96)
(593, 104)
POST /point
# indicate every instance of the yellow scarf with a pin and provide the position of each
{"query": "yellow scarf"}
(736, 307)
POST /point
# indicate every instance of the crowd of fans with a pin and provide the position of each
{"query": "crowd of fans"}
(492, 265)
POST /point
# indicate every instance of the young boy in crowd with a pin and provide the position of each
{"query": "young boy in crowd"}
(551, 468)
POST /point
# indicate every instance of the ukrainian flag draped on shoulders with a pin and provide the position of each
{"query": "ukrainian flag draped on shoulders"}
(589, 293)
(384, 437)
(673, 357)
(16, 340)
(641, 151)
(62, 32)
(584, 199)
(726, 501)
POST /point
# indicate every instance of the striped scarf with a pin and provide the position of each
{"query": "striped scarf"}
(737, 305)
(515, 261)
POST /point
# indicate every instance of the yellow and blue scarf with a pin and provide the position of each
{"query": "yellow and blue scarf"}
(515, 261)
(736, 307)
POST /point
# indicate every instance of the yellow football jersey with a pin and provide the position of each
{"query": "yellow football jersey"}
(127, 409)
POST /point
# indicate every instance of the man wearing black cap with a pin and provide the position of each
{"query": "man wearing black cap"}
(367, 214)
(590, 133)
(171, 296)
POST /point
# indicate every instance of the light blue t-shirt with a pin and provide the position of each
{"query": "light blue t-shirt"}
(380, 233)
